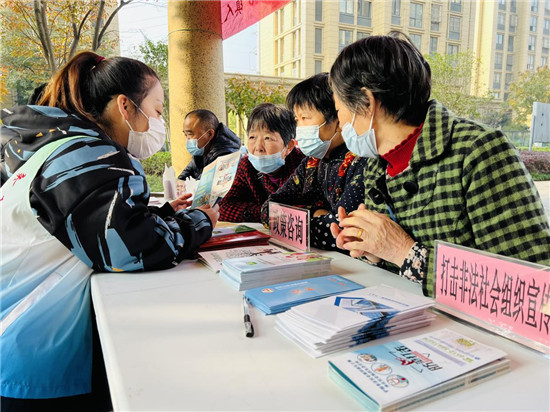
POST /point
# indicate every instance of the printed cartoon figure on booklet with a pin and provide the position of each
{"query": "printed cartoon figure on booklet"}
(364, 307)
(306, 256)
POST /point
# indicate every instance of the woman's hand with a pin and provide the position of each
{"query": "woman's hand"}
(212, 213)
(181, 202)
(372, 234)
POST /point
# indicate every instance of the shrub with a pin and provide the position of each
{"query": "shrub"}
(536, 162)
(154, 165)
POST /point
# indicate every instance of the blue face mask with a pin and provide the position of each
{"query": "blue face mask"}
(310, 143)
(363, 145)
(193, 146)
(266, 163)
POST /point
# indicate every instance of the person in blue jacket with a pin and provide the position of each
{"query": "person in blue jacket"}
(74, 199)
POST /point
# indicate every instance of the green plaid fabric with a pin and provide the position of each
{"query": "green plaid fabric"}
(473, 190)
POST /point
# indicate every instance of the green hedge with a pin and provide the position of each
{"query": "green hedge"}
(154, 165)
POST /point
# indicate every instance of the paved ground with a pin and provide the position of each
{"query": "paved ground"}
(544, 192)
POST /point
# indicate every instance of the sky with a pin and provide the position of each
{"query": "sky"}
(143, 19)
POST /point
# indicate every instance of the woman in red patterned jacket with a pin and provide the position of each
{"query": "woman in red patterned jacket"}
(271, 160)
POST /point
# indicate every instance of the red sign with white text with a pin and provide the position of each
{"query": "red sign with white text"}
(508, 296)
(237, 15)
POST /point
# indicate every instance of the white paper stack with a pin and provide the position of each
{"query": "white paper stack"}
(345, 320)
(255, 271)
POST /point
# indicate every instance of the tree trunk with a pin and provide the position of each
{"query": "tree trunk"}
(43, 33)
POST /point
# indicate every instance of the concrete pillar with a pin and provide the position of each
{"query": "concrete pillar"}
(195, 67)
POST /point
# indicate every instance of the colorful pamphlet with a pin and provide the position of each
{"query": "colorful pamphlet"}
(342, 321)
(216, 179)
(255, 271)
(279, 297)
(214, 258)
(409, 372)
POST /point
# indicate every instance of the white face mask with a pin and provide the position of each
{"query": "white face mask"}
(363, 145)
(145, 144)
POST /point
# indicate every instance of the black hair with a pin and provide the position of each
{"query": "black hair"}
(206, 118)
(392, 68)
(88, 82)
(274, 118)
(315, 93)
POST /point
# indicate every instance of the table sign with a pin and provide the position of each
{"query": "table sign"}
(508, 296)
(289, 226)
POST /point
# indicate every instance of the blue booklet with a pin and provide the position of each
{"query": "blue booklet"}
(282, 296)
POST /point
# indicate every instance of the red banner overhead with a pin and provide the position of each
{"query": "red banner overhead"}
(237, 15)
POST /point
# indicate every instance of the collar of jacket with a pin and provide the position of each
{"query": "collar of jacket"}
(435, 136)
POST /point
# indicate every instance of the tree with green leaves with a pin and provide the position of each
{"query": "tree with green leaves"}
(452, 76)
(242, 95)
(39, 36)
(530, 87)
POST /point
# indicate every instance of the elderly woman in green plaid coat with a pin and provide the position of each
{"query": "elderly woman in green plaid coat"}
(430, 175)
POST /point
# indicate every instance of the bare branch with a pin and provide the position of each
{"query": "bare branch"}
(108, 22)
(45, 40)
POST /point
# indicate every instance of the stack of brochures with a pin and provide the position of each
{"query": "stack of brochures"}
(348, 319)
(406, 373)
(214, 258)
(255, 271)
(282, 296)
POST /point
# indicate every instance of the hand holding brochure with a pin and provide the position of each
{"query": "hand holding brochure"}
(351, 318)
(279, 297)
(408, 372)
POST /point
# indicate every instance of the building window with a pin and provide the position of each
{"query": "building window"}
(532, 43)
(318, 10)
(501, 21)
(530, 62)
(500, 41)
(433, 45)
(281, 50)
(509, 62)
(282, 20)
(364, 9)
(496, 81)
(502, 4)
(513, 22)
(346, 11)
(533, 24)
(396, 12)
(318, 40)
(545, 42)
(318, 66)
(534, 5)
(456, 5)
(510, 43)
(362, 35)
(296, 69)
(296, 13)
(452, 49)
(508, 80)
(498, 61)
(544, 61)
(496, 95)
(546, 29)
(513, 6)
(454, 28)
(416, 39)
(345, 38)
(436, 17)
(296, 40)
(416, 15)
(547, 7)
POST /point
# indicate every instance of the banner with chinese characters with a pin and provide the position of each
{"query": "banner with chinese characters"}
(289, 226)
(508, 296)
(237, 15)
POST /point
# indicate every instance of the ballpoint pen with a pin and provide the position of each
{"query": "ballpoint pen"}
(248, 327)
